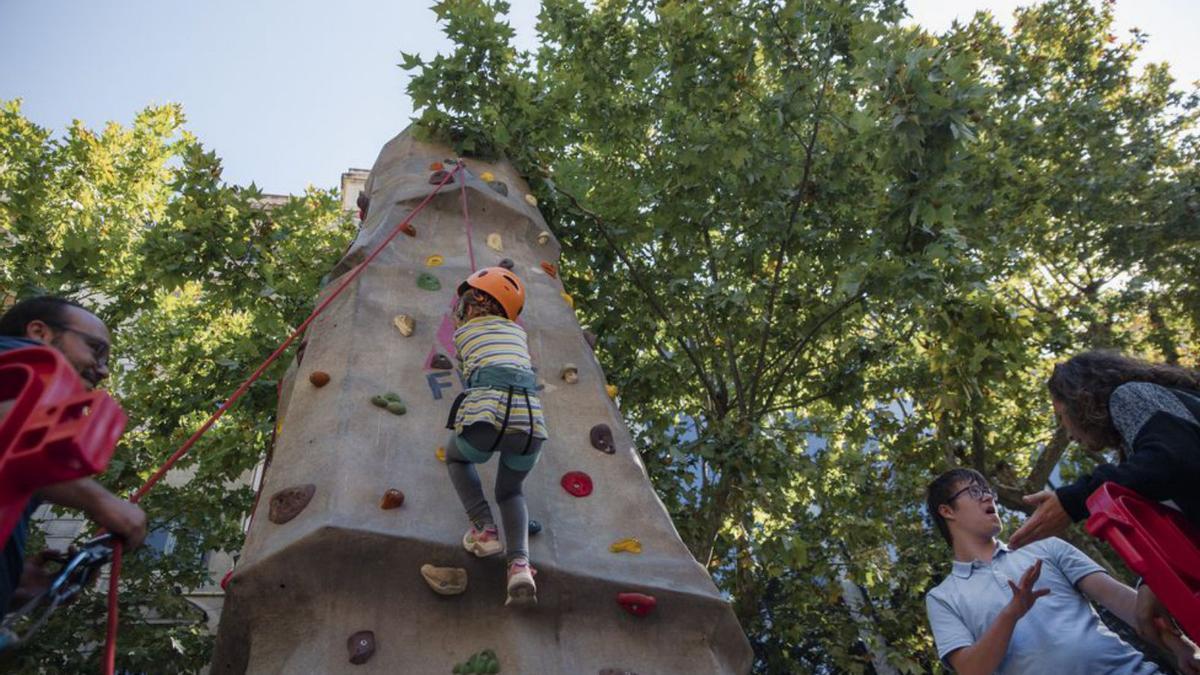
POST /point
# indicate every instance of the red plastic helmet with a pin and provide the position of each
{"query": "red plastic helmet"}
(502, 285)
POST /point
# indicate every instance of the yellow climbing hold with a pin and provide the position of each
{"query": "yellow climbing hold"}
(611, 389)
(405, 324)
(494, 243)
(530, 199)
(628, 545)
(487, 176)
(568, 299)
(441, 454)
(434, 261)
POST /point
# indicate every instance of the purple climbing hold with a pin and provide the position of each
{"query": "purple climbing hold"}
(437, 177)
(289, 502)
(602, 438)
(441, 362)
(361, 646)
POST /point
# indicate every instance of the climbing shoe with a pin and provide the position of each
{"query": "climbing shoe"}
(483, 543)
(522, 592)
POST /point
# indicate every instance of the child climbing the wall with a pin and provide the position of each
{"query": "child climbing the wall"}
(498, 412)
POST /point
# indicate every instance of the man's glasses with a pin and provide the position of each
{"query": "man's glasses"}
(98, 346)
(976, 492)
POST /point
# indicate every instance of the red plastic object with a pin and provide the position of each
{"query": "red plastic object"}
(55, 431)
(577, 483)
(1156, 542)
(637, 604)
(225, 579)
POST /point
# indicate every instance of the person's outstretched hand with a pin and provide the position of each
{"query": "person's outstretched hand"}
(124, 519)
(1023, 594)
(1048, 520)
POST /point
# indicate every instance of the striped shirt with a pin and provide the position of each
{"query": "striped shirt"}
(494, 341)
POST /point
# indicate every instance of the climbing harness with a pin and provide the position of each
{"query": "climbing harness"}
(77, 573)
(499, 377)
(110, 646)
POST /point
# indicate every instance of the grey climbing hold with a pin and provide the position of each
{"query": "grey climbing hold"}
(506, 263)
(437, 177)
(445, 580)
(602, 438)
(534, 527)
(499, 186)
(289, 502)
(428, 282)
(361, 646)
(590, 338)
(441, 362)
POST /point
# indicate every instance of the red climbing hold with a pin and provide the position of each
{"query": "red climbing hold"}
(225, 579)
(577, 483)
(637, 604)
(392, 499)
(550, 269)
(408, 229)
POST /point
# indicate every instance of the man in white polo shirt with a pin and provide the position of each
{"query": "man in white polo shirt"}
(1023, 611)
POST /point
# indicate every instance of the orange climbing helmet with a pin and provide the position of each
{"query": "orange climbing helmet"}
(502, 285)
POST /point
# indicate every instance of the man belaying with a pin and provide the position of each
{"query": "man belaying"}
(499, 412)
(83, 340)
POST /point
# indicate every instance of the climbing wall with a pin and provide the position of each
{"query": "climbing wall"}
(338, 573)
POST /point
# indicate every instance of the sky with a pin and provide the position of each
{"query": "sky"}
(294, 92)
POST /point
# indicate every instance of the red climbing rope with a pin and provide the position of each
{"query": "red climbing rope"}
(467, 220)
(110, 646)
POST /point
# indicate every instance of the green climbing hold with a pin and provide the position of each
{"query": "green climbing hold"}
(391, 401)
(480, 663)
(380, 401)
(397, 408)
(429, 282)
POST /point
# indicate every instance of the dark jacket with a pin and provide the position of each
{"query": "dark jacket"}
(1161, 432)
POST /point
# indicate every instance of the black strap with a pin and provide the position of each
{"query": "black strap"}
(504, 424)
(454, 409)
(529, 409)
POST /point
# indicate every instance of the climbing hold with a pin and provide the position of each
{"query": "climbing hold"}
(408, 229)
(445, 580)
(534, 527)
(451, 162)
(530, 199)
(428, 282)
(226, 579)
(506, 263)
(494, 243)
(570, 373)
(397, 408)
(590, 338)
(616, 671)
(434, 261)
(499, 186)
(568, 299)
(543, 238)
(380, 401)
(440, 453)
(318, 378)
(482, 663)
(437, 177)
(405, 324)
(363, 202)
(289, 502)
(627, 545)
(441, 362)
(637, 604)
(436, 166)
(577, 483)
(361, 646)
(487, 176)
(391, 401)
(550, 269)
(612, 390)
(392, 499)
(602, 438)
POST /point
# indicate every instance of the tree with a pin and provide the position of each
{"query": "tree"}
(829, 255)
(198, 281)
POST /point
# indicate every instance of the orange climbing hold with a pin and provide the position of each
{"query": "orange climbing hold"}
(319, 378)
(392, 499)
(637, 604)
(408, 229)
(551, 269)
(436, 166)
(627, 545)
